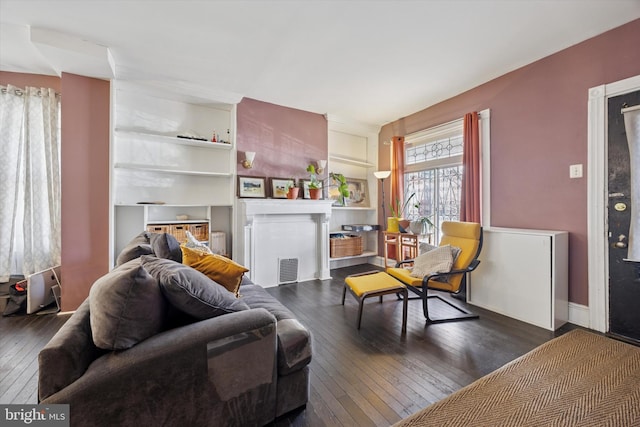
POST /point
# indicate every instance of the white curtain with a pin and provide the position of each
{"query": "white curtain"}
(29, 179)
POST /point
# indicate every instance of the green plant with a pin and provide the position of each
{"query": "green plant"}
(290, 184)
(343, 187)
(315, 183)
(398, 210)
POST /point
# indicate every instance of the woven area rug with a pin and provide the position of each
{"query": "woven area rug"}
(578, 379)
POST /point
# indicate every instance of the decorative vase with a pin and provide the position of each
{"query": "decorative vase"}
(293, 193)
(315, 193)
(392, 224)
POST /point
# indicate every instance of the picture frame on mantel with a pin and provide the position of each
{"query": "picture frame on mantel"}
(252, 187)
(280, 186)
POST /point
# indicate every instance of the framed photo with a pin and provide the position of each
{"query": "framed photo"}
(358, 193)
(304, 185)
(252, 186)
(280, 187)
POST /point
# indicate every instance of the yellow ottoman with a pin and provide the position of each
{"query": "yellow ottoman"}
(373, 284)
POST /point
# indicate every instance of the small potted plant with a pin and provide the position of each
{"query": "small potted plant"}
(292, 190)
(315, 186)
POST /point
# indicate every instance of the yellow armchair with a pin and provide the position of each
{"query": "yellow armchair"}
(467, 236)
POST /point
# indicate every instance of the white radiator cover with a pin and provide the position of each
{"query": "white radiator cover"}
(523, 274)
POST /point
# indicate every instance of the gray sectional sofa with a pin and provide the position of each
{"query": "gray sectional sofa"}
(133, 355)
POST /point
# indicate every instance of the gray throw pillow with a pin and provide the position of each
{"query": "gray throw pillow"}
(126, 306)
(191, 291)
(138, 246)
(166, 246)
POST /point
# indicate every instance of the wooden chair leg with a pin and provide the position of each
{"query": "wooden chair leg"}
(344, 292)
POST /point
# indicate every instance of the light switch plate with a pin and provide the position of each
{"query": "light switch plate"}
(575, 171)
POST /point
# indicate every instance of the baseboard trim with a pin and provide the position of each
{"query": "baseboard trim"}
(579, 315)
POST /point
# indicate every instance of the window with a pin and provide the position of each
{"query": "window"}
(433, 172)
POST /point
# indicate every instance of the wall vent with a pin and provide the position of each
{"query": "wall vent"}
(287, 270)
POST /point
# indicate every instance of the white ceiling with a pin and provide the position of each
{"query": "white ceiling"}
(370, 61)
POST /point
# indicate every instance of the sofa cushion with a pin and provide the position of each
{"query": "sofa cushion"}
(68, 355)
(166, 246)
(218, 268)
(126, 307)
(294, 340)
(191, 291)
(138, 246)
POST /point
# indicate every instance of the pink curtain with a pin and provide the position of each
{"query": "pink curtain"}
(397, 171)
(470, 203)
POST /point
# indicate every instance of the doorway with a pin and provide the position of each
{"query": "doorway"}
(597, 312)
(624, 275)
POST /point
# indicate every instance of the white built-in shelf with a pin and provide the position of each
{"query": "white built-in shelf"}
(175, 221)
(175, 140)
(154, 168)
(350, 161)
(364, 254)
(353, 208)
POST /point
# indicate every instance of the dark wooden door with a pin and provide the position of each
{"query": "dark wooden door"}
(624, 276)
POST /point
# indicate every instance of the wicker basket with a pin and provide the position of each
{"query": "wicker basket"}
(159, 228)
(200, 231)
(179, 231)
(350, 245)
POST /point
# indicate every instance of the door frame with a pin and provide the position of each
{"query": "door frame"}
(597, 198)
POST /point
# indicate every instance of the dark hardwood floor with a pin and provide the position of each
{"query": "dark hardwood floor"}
(371, 377)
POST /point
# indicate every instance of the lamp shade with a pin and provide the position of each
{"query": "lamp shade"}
(382, 174)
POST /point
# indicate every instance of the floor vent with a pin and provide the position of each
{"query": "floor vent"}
(287, 270)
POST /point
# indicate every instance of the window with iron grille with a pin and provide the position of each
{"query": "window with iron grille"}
(433, 172)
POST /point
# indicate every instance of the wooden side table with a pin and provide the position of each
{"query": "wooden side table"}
(406, 245)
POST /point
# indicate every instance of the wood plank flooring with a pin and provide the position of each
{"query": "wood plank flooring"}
(371, 377)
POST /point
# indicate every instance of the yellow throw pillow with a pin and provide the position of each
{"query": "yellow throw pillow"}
(218, 268)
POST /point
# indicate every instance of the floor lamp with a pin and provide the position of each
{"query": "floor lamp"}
(381, 175)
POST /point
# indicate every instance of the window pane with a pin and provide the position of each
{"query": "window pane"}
(439, 149)
(450, 184)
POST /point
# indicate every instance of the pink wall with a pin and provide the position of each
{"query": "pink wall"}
(538, 129)
(285, 140)
(34, 80)
(85, 178)
(85, 185)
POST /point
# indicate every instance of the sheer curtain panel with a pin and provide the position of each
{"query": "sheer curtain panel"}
(29, 179)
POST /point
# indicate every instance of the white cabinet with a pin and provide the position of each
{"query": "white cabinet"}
(157, 175)
(523, 274)
(353, 153)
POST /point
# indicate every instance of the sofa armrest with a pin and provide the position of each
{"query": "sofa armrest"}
(184, 376)
(294, 346)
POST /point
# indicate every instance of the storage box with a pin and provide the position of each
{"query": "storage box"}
(158, 228)
(348, 245)
(200, 231)
(179, 231)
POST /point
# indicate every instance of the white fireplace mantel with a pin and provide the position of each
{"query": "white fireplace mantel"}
(274, 229)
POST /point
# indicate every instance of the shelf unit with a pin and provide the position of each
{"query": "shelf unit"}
(156, 175)
(353, 153)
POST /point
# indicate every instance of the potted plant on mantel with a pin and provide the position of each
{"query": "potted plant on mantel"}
(292, 190)
(315, 186)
